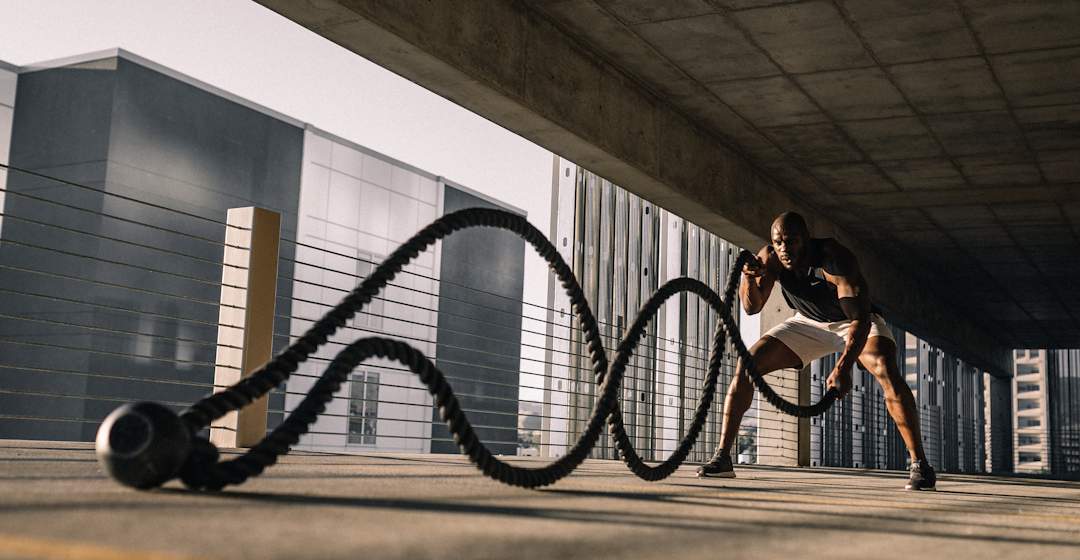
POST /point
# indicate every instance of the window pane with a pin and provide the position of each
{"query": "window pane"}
(361, 391)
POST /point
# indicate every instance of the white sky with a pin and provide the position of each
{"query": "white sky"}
(245, 49)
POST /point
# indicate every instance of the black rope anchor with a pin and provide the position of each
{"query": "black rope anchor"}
(144, 444)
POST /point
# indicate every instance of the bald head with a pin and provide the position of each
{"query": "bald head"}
(791, 240)
(790, 223)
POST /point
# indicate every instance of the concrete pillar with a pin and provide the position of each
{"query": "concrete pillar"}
(246, 318)
(803, 442)
(783, 439)
(1001, 426)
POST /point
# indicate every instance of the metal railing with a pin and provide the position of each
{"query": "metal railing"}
(98, 307)
(523, 437)
(107, 299)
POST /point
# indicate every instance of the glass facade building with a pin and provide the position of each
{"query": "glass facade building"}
(357, 206)
(121, 302)
(622, 248)
(146, 145)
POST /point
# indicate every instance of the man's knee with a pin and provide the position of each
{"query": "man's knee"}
(892, 382)
(742, 375)
(878, 366)
(770, 354)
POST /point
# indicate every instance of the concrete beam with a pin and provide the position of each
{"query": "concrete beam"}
(505, 61)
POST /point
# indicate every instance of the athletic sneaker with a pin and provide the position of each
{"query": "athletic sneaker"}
(922, 477)
(717, 467)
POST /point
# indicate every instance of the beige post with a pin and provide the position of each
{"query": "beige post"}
(246, 318)
(804, 423)
(782, 439)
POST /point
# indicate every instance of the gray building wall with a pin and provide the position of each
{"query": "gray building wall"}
(94, 316)
(356, 206)
(622, 248)
(117, 126)
(479, 336)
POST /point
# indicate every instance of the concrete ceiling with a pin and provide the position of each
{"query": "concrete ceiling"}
(946, 134)
(940, 138)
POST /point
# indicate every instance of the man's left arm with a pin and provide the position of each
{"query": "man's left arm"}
(842, 269)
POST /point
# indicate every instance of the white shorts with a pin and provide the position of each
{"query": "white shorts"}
(810, 340)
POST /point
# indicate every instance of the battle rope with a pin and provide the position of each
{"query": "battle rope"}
(202, 470)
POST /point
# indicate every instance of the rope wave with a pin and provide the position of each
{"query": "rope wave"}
(202, 470)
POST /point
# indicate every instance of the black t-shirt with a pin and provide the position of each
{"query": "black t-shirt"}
(814, 296)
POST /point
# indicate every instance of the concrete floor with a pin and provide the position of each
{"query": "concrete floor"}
(56, 503)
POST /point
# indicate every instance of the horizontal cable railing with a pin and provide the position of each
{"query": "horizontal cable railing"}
(100, 308)
(612, 340)
(694, 357)
(104, 300)
(696, 362)
(461, 383)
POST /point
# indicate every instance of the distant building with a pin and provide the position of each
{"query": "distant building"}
(83, 312)
(622, 248)
(356, 207)
(1047, 411)
(1030, 411)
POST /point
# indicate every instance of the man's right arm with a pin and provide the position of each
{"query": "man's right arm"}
(757, 282)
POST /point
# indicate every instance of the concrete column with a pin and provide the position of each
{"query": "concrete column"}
(1001, 426)
(246, 318)
(803, 442)
(783, 439)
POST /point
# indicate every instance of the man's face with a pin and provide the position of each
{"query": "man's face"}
(792, 249)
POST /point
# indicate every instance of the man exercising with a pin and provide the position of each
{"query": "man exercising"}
(820, 279)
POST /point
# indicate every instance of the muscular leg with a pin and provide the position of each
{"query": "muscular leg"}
(879, 358)
(770, 355)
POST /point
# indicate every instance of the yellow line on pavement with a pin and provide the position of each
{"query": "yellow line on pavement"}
(46, 549)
